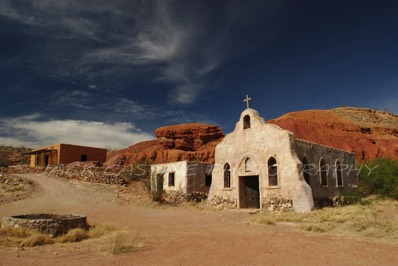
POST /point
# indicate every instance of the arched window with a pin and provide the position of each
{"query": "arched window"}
(246, 122)
(248, 165)
(306, 170)
(272, 172)
(227, 176)
(339, 174)
(323, 170)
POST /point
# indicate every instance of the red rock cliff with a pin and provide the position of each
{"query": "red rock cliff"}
(173, 143)
(367, 132)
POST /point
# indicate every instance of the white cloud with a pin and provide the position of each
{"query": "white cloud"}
(31, 132)
(180, 43)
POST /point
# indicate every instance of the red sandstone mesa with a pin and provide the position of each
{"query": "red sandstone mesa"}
(367, 132)
(174, 143)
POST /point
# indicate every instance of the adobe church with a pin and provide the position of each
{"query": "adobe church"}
(260, 165)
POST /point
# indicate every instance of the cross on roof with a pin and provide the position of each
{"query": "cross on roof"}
(247, 101)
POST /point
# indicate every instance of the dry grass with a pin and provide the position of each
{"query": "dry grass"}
(119, 244)
(21, 237)
(100, 230)
(37, 239)
(262, 219)
(377, 220)
(74, 235)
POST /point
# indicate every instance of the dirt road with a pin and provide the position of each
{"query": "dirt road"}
(181, 235)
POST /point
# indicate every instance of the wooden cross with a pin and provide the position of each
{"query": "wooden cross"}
(247, 101)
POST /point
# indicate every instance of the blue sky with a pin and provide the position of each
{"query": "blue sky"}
(108, 73)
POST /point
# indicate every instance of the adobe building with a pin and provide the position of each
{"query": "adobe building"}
(64, 154)
(184, 176)
(260, 165)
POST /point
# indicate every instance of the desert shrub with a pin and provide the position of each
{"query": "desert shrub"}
(119, 244)
(380, 177)
(352, 197)
(22, 237)
(37, 239)
(74, 235)
(99, 230)
(20, 232)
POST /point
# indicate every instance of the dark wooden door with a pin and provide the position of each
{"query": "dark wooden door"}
(252, 195)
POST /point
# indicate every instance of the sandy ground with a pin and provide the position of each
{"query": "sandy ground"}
(181, 235)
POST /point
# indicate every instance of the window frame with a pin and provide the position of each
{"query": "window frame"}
(171, 179)
(272, 174)
(339, 176)
(322, 164)
(246, 122)
(227, 175)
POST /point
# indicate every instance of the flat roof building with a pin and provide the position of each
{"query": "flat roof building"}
(64, 154)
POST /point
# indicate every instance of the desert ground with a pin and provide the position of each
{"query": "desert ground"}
(178, 235)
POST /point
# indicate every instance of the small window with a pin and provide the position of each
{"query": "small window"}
(339, 174)
(248, 165)
(323, 170)
(246, 122)
(272, 172)
(171, 179)
(208, 179)
(83, 158)
(227, 176)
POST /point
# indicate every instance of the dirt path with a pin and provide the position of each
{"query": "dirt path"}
(181, 235)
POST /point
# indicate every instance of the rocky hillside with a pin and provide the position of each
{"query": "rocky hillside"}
(11, 155)
(367, 132)
(173, 143)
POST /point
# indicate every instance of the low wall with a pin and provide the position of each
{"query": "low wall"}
(52, 224)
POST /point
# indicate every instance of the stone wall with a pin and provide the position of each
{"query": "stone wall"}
(88, 171)
(314, 153)
(277, 204)
(51, 224)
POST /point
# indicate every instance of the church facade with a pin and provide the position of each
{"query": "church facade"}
(261, 165)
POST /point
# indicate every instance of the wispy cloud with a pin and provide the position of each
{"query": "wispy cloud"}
(180, 47)
(30, 131)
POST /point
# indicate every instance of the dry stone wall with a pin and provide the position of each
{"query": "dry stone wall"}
(51, 224)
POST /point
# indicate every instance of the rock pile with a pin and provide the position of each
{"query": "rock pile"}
(10, 180)
(179, 196)
(223, 203)
(278, 204)
(89, 172)
(21, 169)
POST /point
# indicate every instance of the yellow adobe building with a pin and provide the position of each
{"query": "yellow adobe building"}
(64, 154)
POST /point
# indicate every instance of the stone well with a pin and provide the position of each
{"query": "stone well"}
(54, 224)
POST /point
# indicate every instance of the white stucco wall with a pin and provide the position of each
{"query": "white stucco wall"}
(180, 175)
(259, 143)
(189, 177)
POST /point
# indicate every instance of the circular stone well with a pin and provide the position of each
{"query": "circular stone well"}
(54, 224)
